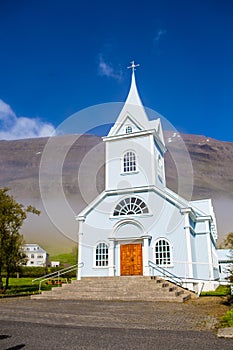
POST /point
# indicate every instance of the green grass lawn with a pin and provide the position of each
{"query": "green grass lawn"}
(218, 292)
(24, 286)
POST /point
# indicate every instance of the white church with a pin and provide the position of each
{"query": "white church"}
(138, 226)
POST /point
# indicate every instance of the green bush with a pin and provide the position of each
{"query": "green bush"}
(35, 272)
(32, 271)
(227, 319)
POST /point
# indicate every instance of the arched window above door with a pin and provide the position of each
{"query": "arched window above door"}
(131, 206)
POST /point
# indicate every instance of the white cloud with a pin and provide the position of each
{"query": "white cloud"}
(106, 69)
(13, 127)
(159, 34)
(6, 112)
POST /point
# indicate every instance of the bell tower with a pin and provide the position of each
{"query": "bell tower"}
(134, 147)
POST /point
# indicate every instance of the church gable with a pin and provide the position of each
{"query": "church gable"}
(134, 115)
(128, 126)
(156, 124)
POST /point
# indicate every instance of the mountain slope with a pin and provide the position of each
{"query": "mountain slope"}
(205, 161)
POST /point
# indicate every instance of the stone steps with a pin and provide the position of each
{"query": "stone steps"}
(125, 288)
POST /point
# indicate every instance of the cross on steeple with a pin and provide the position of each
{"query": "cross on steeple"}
(133, 65)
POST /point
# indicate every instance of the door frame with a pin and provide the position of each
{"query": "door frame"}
(116, 240)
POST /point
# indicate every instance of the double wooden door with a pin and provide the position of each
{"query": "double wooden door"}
(131, 259)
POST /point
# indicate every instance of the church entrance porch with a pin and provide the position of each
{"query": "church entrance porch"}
(131, 259)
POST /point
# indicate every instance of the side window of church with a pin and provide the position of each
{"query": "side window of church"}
(101, 254)
(160, 167)
(162, 252)
(129, 162)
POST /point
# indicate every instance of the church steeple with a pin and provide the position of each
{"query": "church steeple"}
(133, 116)
(132, 110)
(133, 96)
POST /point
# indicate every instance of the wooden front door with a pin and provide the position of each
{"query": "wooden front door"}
(131, 259)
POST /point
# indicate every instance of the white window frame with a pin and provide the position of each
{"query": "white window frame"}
(166, 253)
(103, 256)
(129, 164)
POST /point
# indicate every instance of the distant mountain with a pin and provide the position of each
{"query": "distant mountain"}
(205, 161)
(212, 163)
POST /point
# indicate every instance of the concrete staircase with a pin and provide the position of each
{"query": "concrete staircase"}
(124, 288)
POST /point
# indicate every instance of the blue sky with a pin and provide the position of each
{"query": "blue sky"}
(59, 57)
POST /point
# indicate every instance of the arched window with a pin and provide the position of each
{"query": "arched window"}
(128, 129)
(101, 254)
(129, 162)
(131, 206)
(162, 252)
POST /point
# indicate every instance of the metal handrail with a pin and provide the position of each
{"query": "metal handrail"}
(166, 273)
(57, 274)
(53, 273)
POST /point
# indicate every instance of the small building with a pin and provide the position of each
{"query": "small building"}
(54, 263)
(36, 255)
(225, 260)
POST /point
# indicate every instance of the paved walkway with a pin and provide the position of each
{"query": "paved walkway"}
(56, 324)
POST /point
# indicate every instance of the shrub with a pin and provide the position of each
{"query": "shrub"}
(227, 319)
(32, 271)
